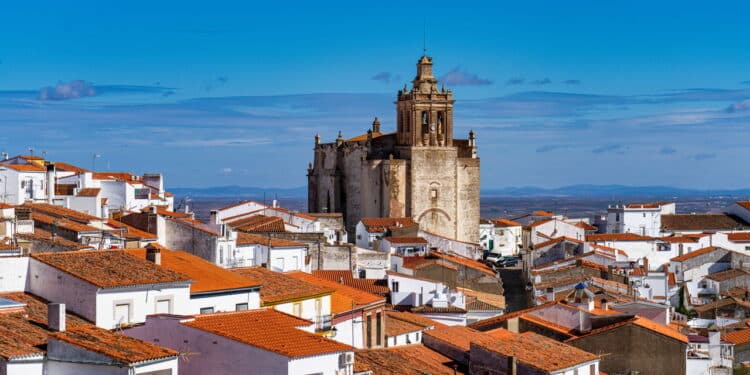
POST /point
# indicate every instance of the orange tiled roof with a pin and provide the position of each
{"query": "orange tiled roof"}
(63, 223)
(459, 336)
(396, 327)
(679, 239)
(585, 226)
(25, 167)
(374, 286)
(254, 239)
(470, 263)
(46, 237)
(609, 250)
(694, 254)
(269, 330)
(344, 298)
(414, 319)
(109, 268)
(259, 223)
(363, 137)
(383, 224)
(407, 240)
(540, 222)
(119, 176)
(124, 349)
(647, 205)
(727, 274)
(540, 352)
(506, 223)
(660, 328)
(278, 287)
(405, 360)
(130, 231)
(542, 213)
(744, 204)
(419, 262)
(739, 236)
(59, 211)
(206, 276)
(66, 167)
(88, 192)
(738, 337)
(494, 300)
(617, 237)
(25, 333)
(702, 222)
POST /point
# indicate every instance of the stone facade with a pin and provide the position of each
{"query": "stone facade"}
(419, 171)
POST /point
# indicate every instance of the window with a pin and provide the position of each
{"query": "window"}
(368, 331)
(206, 310)
(747, 248)
(362, 274)
(122, 313)
(394, 286)
(164, 306)
(433, 193)
(417, 335)
(617, 216)
(379, 327)
(297, 309)
(240, 307)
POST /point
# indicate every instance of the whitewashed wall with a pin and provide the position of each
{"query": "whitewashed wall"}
(14, 272)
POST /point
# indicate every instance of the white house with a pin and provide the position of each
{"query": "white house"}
(547, 229)
(109, 287)
(213, 289)
(371, 229)
(508, 238)
(262, 341)
(292, 296)
(404, 246)
(256, 250)
(22, 182)
(637, 247)
(639, 218)
(429, 298)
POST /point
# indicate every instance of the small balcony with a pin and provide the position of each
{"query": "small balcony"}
(323, 323)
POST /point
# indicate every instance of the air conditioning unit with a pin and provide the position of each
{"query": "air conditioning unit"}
(346, 359)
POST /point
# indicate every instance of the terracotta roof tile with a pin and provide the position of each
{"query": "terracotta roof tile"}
(63, 223)
(495, 301)
(255, 239)
(129, 232)
(647, 205)
(540, 222)
(702, 222)
(542, 213)
(419, 262)
(109, 268)
(66, 167)
(46, 237)
(396, 327)
(206, 276)
(124, 349)
(738, 337)
(59, 211)
(504, 223)
(617, 237)
(374, 286)
(466, 262)
(344, 298)
(269, 330)
(540, 352)
(727, 274)
(259, 223)
(407, 240)
(679, 239)
(25, 167)
(383, 224)
(414, 319)
(88, 192)
(117, 176)
(405, 360)
(458, 336)
(585, 226)
(739, 236)
(278, 287)
(694, 254)
(25, 333)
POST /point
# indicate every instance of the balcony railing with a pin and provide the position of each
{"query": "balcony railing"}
(323, 323)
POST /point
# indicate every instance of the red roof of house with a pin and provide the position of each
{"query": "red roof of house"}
(382, 224)
(617, 237)
(59, 211)
(109, 268)
(206, 276)
(344, 298)
(374, 286)
(539, 351)
(279, 287)
(255, 239)
(407, 240)
(269, 330)
(124, 349)
(738, 337)
(739, 236)
(506, 223)
(694, 254)
(413, 359)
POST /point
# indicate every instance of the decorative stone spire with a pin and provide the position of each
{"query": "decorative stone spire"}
(424, 81)
(376, 125)
(339, 139)
(317, 139)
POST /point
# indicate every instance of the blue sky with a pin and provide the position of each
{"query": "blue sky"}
(232, 93)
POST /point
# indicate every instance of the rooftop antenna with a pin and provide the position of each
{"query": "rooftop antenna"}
(424, 37)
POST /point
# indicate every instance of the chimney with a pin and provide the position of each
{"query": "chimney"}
(50, 181)
(56, 317)
(550, 294)
(153, 254)
(275, 203)
(645, 264)
(512, 366)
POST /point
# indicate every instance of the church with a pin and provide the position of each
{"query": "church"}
(419, 171)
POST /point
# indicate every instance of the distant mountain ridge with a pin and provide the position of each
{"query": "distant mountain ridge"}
(583, 190)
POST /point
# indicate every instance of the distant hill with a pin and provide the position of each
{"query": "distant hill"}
(578, 191)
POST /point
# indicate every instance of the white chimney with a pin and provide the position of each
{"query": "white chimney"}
(714, 347)
(56, 317)
(50, 181)
(275, 203)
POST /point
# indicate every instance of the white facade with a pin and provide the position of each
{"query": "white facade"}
(411, 291)
(214, 354)
(14, 273)
(17, 187)
(508, 240)
(310, 309)
(365, 239)
(224, 301)
(643, 219)
(107, 307)
(556, 228)
(283, 259)
(404, 339)
(67, 359)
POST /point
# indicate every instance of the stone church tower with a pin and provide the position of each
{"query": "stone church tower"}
(419, 171)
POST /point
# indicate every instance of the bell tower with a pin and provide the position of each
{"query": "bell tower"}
(424, 113)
